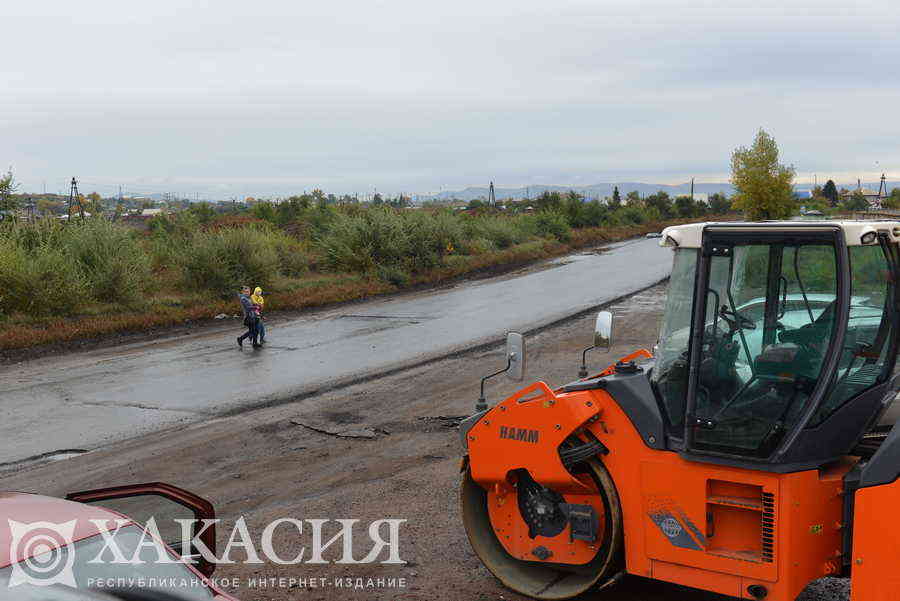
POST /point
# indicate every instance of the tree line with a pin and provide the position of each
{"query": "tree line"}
(763, 190)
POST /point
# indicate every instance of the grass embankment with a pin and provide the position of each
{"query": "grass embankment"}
(61, 283)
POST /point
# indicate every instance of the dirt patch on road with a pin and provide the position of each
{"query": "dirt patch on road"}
(264, 465)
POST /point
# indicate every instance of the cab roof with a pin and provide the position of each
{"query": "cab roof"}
(27, 509)
(691, 235)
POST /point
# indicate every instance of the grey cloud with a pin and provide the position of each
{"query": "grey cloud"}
(267, 97)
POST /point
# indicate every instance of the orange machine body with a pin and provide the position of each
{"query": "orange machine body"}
(875, 548)
(708, 526)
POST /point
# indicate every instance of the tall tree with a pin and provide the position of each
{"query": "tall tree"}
(892, 201)
(763, 186)
(719, 204)
(857, 202)
(8, 187)
(264, 210)
(94, 203)
(662, 203)
(549, 201)
(617, 198)
(830, 192)
(686, 207)
(633, 199)
(573, 209)
(49, 205)
(203, 211)
(319, 197)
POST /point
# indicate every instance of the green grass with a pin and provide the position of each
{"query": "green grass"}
(69, 281)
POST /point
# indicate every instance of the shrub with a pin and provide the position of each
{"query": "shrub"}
(294, 259)
(265, 211)
(225, 259)
(320, 218)
(549, 224)
(430, 236)
(180, 225)
(31, 236)
(501, 231)
(359, 243)
(163, 253)
(475, 246)
(233, 221)
(652, 214)
(202, 211)
(40, 281)
(631, 215)
(393, 275)
(594, 213)
(116, 267)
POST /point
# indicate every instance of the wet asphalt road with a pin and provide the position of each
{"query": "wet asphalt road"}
(85, 400)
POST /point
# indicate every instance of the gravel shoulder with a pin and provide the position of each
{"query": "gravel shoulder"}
(263, 465)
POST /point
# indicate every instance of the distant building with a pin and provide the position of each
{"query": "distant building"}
(151, 212)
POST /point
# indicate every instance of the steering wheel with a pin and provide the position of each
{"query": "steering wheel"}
(734, 318)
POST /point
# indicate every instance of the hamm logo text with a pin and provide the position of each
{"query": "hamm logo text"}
(523, 434)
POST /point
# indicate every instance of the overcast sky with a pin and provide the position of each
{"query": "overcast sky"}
(270, 97)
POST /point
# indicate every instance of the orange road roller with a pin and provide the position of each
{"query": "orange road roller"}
(751, 453)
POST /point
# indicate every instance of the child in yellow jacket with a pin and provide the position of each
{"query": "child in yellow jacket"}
(258, 304)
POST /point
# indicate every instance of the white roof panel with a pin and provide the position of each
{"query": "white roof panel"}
(691, 235)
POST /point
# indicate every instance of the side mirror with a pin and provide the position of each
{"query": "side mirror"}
(602, 339)
(515, 352)
(515, 366)
(603, 330)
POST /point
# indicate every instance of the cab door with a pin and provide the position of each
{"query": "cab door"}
(767, 327)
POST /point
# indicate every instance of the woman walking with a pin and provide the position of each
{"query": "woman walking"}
(251, 319)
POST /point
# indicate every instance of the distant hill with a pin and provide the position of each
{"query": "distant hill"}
(603, 190)
(593, 191)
